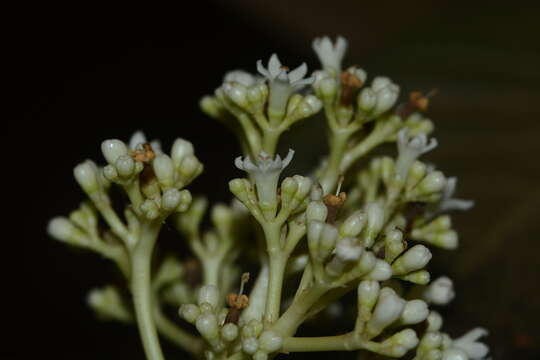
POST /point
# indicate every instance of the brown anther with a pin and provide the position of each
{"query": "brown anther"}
(350, 83)
(417, 102)
(237, 302)
(333, 204)
(144, 155)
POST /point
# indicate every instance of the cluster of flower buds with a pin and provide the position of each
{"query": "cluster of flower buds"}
(437, 345)
(344, 93)
(220, 328)
(270, 103)
(108, 304)
(260, 195)
(381, 310)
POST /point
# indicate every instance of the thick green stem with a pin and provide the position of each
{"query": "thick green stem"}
(296, 313)
(278, 263)
(270, 140)
(141, 290)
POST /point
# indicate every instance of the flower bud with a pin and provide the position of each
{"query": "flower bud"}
(367, 99)
(394, 245)
(327, 242)
(434, 182)
(250, 345)
(440, 291)
(110, 173)
(240, 189)
(435, 321)
(353, 225)
(164, 170)
(237, 93)
(229, 332)
(388, 309)
(415, 312)
(420, 277)
(170, 199)
(113, 149)
(61, 229)
(381, 272)
(386, 98)
(368, 292)
(375, 222)
(125, 165)
(270, 341)
(399, 344)
(150, 209)
(414, 259)
(211, 106)
(207, 325)
(86, 174)
(190, 312)
(316, 210)
(180, 149)
(208, 294)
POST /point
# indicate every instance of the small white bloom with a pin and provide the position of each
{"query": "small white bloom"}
(138, 139)
(469, 344)
(410, 149)
(282, 82)
(265, 171)
(440, 291)
(448, 203)
(330, 54)
(241, 77)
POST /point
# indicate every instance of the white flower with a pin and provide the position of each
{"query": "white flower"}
(468, 344)
(448, 203)
(138, 139)
(265, 171)
(282, 82)
(241, 77)
(330, 55)
(410, 149)
(440, 291)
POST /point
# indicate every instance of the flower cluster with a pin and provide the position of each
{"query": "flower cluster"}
(310, 240)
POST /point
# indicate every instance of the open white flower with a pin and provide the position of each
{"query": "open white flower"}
(410, 149)
(282, 83)
(265, 171)
(448, 203)
(469, 344)
(330, 54)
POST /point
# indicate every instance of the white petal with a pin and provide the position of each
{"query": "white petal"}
(138, 138)
(274, 65)
(298, 73)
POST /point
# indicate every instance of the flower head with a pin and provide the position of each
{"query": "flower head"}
(330, 54)
(410, 149)
(282, 82)
(265, 171)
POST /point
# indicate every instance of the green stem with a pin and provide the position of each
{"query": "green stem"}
(296, 313)
(345, 342)
(270, 140)
(337, 149)
(278, 263)
(141, 290)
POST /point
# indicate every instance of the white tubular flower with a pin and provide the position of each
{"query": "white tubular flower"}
(409, 150)
(386, 93)
(240, 77)
(330, 54)
(138, 139)
(448, 203)
(440, 291)
(265, 171)
(469, 344)
(282, 83)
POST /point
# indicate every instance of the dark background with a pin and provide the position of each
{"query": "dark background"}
(78, 75)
